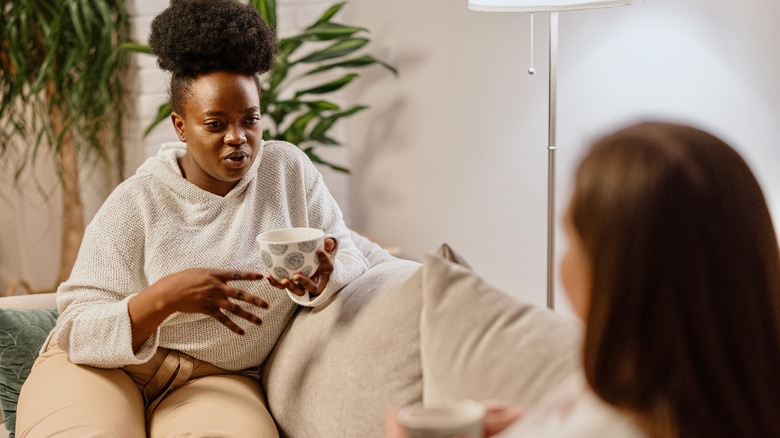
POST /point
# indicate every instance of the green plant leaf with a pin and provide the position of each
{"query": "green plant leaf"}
(319, 160)
(327, 141)
(361, 61)
(328, 31)
(330, 86)
(267, 9)
(281, 109)
(333, 10)
(326, 123)
(136, 47)
(295, 132)
(321, 105)
(341, 48)
(163, 112)
(286, 48)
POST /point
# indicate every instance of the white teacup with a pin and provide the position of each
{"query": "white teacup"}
(445, 419)
(290, 251)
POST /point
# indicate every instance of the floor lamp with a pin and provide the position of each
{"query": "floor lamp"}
(553, 7)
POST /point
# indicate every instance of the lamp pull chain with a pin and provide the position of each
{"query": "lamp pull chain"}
(531, 69)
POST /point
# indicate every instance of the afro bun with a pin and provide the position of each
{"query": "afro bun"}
(193, 37)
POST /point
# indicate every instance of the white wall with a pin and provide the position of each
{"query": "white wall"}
(455, 149)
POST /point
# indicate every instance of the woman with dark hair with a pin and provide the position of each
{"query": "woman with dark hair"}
(160, 329)
(682, 296)
(674, 266)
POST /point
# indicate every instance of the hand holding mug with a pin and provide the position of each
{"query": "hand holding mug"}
(300, 260)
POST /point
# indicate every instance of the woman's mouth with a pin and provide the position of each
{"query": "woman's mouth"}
(236, 160)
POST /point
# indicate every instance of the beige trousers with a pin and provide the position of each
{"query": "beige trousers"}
(172, 395)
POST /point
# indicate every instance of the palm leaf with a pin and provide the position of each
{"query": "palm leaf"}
(362, 61)
(329, 87)
(163, 112)
(267, 9)
(135, 47)
(329, 13)
(327, 31)
(326, 123)
(337, 50)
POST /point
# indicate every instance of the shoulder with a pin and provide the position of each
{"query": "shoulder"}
(283, 153)
(283, 160)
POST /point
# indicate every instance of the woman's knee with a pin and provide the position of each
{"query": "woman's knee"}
(61, 396)
(222, 405)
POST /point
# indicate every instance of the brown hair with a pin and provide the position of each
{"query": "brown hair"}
(683, 328)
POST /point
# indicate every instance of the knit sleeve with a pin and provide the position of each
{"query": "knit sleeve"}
(94, 324)
(325, 214)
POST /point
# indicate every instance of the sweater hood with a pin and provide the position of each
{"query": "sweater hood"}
(164, 167)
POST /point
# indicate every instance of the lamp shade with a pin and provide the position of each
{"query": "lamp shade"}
(544, 5)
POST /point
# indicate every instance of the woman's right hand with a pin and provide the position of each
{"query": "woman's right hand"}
(197, 290)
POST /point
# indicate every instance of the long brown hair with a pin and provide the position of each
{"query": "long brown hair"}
(683, 328)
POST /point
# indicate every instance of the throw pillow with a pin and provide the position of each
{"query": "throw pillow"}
(480, 343)
(22, 333)
(338, 369)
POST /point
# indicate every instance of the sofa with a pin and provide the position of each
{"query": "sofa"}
(404, 332)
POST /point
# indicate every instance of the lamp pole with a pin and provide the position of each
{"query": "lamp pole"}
(551, 6)
(551, 146)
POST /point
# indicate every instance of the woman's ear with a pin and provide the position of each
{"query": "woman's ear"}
(178, 125)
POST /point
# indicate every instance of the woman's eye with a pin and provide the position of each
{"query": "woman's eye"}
(253, 120)
(214, 124)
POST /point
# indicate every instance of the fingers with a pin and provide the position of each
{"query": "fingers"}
(233, 275)
(219, 313)
(278, 284)
(498, 416)
(247, 298)
(331, 244)
(300, 284)
(393, 427)
(325, 269)
(239, 311)
(290, 285)
(227, 322)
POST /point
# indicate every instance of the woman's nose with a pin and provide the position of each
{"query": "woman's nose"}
(235, 137)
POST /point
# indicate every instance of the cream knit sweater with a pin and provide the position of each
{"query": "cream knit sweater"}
(156, 223)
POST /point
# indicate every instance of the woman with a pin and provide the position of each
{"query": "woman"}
(673, 264)
(164, 321)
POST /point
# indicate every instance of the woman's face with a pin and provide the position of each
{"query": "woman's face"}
(221, 126)
(576, 270)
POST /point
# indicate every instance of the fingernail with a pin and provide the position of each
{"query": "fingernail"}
(241, 332)
(264, 305)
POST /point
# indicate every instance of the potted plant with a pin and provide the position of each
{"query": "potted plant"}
(301, 114)
(61, 92)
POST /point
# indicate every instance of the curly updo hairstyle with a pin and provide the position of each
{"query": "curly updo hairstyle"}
(194, 37)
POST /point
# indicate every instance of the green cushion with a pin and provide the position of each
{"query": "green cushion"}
(22, 333)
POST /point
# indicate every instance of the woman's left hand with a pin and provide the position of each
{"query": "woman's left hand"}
(317, 282)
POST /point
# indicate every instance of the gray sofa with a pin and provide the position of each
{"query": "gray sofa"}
(405, 332)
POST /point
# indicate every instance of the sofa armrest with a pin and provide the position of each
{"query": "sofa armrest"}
(35, 301)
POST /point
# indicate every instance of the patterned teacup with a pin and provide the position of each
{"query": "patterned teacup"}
(289, 251)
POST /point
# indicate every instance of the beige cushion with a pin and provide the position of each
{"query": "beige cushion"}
(480, 343)
(338, 369)
(36, 301)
